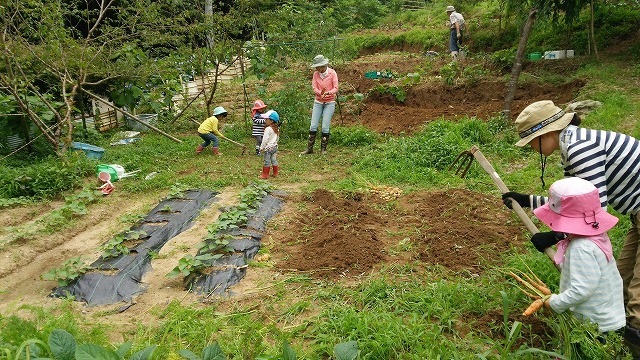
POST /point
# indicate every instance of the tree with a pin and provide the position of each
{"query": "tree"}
(47, 53)
(54, 50)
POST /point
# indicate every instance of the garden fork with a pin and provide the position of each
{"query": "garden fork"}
(464, 161)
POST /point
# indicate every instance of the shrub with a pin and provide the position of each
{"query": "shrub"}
(46, 178)
(353, 136)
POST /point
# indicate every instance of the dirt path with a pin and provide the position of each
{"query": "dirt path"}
(20, 279)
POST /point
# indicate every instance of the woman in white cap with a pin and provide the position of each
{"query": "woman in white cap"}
(608, 160)
(590, 285)
(325, 88)
(457, 26)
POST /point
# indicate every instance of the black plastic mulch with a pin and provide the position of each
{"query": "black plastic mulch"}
(119, 279)
(231, 268)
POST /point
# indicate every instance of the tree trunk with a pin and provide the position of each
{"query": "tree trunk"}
(208, 12)
(593, 35)
(517, 66)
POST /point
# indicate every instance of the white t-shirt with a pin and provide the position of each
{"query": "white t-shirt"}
(454, 18)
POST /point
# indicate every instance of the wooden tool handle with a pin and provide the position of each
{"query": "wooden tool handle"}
(233, 142)
(514, 204)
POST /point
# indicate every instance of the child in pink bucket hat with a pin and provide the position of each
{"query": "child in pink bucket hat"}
(590, 284)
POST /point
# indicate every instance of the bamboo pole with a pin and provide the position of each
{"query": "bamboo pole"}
(131, 116)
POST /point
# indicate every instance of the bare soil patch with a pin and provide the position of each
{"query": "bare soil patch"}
(432, 98)
(337, 237)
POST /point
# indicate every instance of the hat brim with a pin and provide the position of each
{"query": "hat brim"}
(322, 63)
(578, 225)
(556, 125)
(259, 108)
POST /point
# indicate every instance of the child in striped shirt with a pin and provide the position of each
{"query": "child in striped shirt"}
(608, 160)
(257, 129)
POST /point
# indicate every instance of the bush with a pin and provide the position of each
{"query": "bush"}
(293, 103)
(353, 136)
(504, 59)
(45, 179)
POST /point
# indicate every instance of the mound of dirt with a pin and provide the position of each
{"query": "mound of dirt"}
(434, 99)
(335, 236)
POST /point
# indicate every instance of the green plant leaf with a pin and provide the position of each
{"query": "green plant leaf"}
(35, 352)
(505, 311)
(62, 345)
(513, 334)
(189, 355)
(94, 352)
(213, 352)
(175, 272)
(144, 354)
(346, 350)
(124, 349)
(287, 351)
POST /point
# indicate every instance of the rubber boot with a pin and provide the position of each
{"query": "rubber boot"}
(323, 143)
(199, 149)
(265, 172)
(310, 142)
(215, 151)
(632, 340)
(275, 171)
(454, 56)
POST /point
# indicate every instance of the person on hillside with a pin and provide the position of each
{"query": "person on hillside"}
(611, 162)
(259, 107)
(269, 145)
(209, 132)
(590, 284)
(325, 88)
(457, 27)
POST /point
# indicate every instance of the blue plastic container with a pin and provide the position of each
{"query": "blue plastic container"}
(92, 151)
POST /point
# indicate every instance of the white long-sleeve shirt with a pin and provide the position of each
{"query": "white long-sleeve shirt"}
(590, 286)
(269, 139)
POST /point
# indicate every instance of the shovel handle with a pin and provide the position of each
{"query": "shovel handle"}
(234, 142)
(477, 154)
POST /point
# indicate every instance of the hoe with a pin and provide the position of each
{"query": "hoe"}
(463, 162)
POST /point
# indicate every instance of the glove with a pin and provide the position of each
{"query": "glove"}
(458, 35)
(547, 239)
(522, 199)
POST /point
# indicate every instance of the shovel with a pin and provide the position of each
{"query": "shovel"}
(464, 161)
(243, 146)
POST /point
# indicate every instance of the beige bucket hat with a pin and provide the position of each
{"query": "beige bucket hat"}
(540, 118)
(319, 60)
(450, 8)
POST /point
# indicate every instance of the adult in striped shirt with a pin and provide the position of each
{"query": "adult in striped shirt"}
(608, 160)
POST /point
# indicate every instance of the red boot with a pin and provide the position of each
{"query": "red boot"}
(265, 173)
(199, 149)
(275, 171)
(215, 151)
